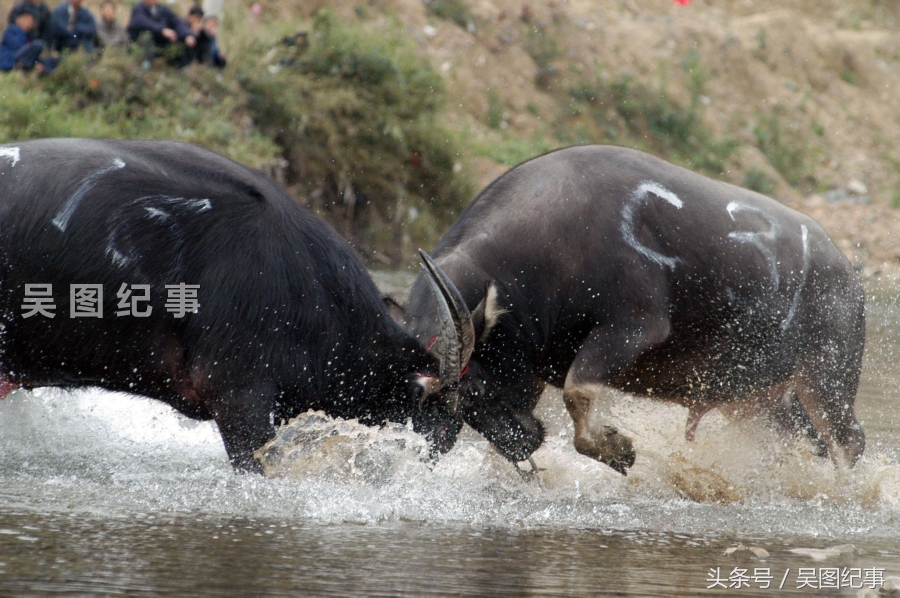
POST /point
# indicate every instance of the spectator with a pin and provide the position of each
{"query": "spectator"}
(164, 28)
(207, 47)
(109, 32)
(72, 26)
(19, 50)
(195, 20)
(205, 29)
(41, 17)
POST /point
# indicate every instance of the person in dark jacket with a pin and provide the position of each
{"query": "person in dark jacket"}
(205, 29)
(41, 17)
(19, 50)
(207, 47)
(195, 19)
(72, 27)
(164, 28)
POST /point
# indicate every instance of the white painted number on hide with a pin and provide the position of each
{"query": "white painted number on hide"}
(61, 221)
(160, 209)
(758, 239)
(640, 195)
(762, 241)
(804, 233)
(11, 154)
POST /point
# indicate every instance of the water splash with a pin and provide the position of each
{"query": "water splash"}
(344, 451)
(117, 455)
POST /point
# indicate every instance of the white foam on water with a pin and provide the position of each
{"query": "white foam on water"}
(118, 455)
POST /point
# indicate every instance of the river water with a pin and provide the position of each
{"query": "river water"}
(110, 494)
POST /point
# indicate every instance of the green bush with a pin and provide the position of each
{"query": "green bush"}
(457, 11)
(114, 98)
(757, 180)
(542, 46)
(356, 113)
(629, 112)
(785, 150)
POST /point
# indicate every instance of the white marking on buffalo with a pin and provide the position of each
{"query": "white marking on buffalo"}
(157, 213)
(640, 194)
(804, 234)
(492, 310)
(61, 221)
(201, 205)
(117, 258)
(198, 205)
(758, 239)
(11, 153)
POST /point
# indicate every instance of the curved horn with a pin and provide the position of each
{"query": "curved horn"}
(448, 358)
(462, 319)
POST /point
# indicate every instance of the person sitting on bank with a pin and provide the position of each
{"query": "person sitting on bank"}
(163, 26)
(41, 13)
(195, 20)
(72, 26)
(109, 32)
(208, 47)
(205, 30)
(19, 50)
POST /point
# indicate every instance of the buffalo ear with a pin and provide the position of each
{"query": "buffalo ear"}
(487, 312)
(398, 314)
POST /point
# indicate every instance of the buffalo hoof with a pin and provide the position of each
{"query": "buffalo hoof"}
(248, 465)
(610, 447)
(530, 475)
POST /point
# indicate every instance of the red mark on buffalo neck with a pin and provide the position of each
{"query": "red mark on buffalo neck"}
(431, 344)
(683, 2)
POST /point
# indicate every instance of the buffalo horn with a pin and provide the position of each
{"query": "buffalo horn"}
(448, 343)
(462, 319)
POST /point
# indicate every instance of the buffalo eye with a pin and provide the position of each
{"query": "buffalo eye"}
(472, 391)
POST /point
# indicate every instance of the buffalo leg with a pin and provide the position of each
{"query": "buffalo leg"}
(606, 353)
(515, 433)
(606, 445)
(786, 413)
(245, 421)
(831, 414)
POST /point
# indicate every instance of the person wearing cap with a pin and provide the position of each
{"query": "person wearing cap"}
(72, 26)
(164, 28)
(109, 32)
(18, 49)
(41, 13)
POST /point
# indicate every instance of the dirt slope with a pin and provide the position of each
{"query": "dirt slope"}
(804, 89)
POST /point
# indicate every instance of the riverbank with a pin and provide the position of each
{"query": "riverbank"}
(389, 116)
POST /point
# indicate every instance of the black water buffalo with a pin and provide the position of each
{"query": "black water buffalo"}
(212, 291)
(606, 266)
